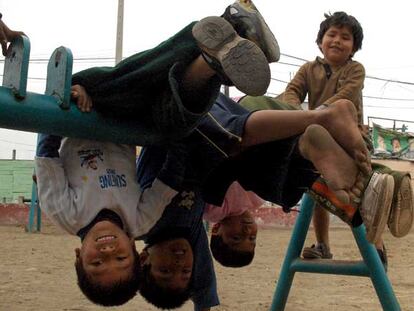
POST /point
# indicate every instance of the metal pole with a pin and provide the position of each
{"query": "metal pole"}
(226, 91)
(119, 31)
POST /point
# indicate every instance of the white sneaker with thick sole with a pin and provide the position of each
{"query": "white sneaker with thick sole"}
(401, 217)
(375, 205)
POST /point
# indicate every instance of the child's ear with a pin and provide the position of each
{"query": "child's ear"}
(320, 47)
(77, 253)
(215, 228)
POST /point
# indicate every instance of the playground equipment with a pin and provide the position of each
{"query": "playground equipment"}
(54, 113)
(370, 266)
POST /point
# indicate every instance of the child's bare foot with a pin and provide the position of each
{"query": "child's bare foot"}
(335, 165)
(340, 119)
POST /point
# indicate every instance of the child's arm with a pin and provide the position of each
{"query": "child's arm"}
(151, 205)
(48, 146)
(7, 35)
(160, 173)
(297, 89)
(55, 196)
(350, 85)
(205, 293)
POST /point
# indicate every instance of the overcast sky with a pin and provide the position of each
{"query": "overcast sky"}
(88, 28)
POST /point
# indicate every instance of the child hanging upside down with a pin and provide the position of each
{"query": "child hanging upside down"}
(233, 236)
(272, 153)
(88, 187)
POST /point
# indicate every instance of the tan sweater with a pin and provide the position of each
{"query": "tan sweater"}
(345, 82)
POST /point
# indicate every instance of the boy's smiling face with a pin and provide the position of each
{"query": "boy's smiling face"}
(238, 232)
(107, 253)
(171, 263)
(337, 45)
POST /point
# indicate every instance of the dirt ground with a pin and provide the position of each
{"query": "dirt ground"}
(37, 274)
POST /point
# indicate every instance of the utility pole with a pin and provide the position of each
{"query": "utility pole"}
(119, 31)
(227, 90)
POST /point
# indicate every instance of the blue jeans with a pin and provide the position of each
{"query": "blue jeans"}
(48, 146)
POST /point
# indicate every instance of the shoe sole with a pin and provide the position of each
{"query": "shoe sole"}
(242, 61)
(383, 210)
(310, 253)
(268, 43)
(401, 216)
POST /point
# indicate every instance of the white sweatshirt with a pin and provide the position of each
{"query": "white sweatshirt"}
(90, 176)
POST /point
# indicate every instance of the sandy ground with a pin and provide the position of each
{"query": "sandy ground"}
(36, 274)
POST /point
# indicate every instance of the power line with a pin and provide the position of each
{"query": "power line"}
(388, 107)
(12, 142)
(39, 60)
(390, 80)
(294, 57)
(274, 79)
(278, 80)
(389, 98)
(369, 77)
(289, 64)
(75, 59)
(365, 96)
(32, 78)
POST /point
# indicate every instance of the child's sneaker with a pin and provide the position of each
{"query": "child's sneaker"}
(375, 205)
(240, 60)
(401, 215)
(250, 24)
(318, 251)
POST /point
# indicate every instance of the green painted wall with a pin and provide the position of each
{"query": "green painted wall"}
(15, 179)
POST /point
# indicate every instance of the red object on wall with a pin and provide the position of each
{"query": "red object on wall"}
(14, 214)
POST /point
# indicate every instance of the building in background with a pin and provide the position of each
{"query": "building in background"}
(15, 180)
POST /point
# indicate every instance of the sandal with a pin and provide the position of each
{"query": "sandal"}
(374, 206)
(318, 251)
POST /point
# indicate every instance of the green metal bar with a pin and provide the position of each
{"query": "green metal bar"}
(33, 211)
(327, 266)
(293, 251)
(59, 76)
(16, 66)
(39, 214)
(378, 275)
(42, 114)
(371, 265)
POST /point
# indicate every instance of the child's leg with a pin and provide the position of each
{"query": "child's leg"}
(340, 173)
(320, 250)
(321, 225)
(339, 119)
(236, 59)
(334, 164)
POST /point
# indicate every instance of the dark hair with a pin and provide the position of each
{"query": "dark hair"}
(341, 19)
(114, 294)
(162, 298)
(227, 256)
